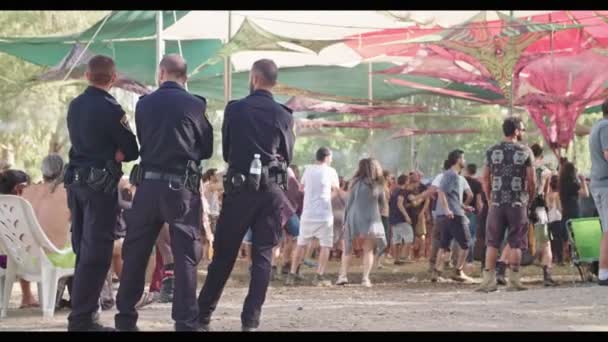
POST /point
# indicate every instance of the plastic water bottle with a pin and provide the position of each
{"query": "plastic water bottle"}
(255, 172)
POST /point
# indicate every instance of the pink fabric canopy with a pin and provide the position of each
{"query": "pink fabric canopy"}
(556, 71)
(556, 90)
(318, 123)
(306, 104)
(408, 132)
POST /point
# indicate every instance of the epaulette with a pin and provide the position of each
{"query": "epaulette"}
(142, 96)
(287, 108)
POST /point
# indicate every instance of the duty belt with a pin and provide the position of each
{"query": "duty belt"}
(163, 176)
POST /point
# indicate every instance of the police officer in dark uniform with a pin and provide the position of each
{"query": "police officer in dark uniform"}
(254, 125)
(101, 139)
(175, 136)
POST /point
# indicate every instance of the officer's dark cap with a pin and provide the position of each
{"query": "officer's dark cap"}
(322, 153)
(267, 69)
(175, 65)
(101, 69)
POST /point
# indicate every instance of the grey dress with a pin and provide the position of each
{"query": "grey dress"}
(362, 216)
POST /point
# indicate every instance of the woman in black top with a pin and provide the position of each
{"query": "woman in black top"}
(570, 189)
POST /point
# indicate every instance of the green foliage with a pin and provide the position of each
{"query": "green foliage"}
(31, 113)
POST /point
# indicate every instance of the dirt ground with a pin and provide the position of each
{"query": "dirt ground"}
(402, 299)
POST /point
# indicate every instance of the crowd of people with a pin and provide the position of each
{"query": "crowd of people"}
(511, 213)
(374, 215)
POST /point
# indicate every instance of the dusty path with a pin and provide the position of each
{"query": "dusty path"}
(396, 302)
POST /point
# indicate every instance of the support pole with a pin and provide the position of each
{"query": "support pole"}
(512, 76)
(370, 97)
(227, 66)
(179, 45)
(160, 44)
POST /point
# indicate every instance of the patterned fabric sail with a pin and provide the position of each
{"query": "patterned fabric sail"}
(304, 104)
(556, 90)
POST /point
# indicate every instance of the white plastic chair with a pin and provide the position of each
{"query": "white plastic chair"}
(25, 243)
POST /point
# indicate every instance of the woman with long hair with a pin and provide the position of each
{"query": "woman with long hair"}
(362, 218)
(571, 188)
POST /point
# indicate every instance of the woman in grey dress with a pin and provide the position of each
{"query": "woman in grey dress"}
(362, 217)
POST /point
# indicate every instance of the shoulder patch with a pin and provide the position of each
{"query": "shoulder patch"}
(286, 108)
(125, 123)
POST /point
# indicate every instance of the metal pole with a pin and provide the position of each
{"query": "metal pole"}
(370, 97)
(227, 65)
(574, 146)
(160, 44)
(179, 45)
(512, 77)
(413, 153)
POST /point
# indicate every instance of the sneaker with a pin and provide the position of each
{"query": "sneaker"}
(248, 329)
(166, 290)
(603, 282)
(319, 280)
(366, 282)
(342, 280)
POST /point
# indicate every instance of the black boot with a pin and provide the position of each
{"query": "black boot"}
(166, 290)
(501, 268)
(547, 280)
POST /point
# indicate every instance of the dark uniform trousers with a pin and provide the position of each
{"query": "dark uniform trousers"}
(261, 211)
(93, 221)
(154, 204)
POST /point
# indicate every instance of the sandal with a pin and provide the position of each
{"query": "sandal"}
(147, 299)
(29, 306)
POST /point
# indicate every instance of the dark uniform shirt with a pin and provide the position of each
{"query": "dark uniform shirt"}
(256, 124)
(172, 128)
(97, 126)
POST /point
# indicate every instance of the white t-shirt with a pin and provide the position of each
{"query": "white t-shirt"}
(437, 180)
(318, 180)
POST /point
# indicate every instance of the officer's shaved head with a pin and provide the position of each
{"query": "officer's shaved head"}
(174, 66)
(101, 70)
(266, 72)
